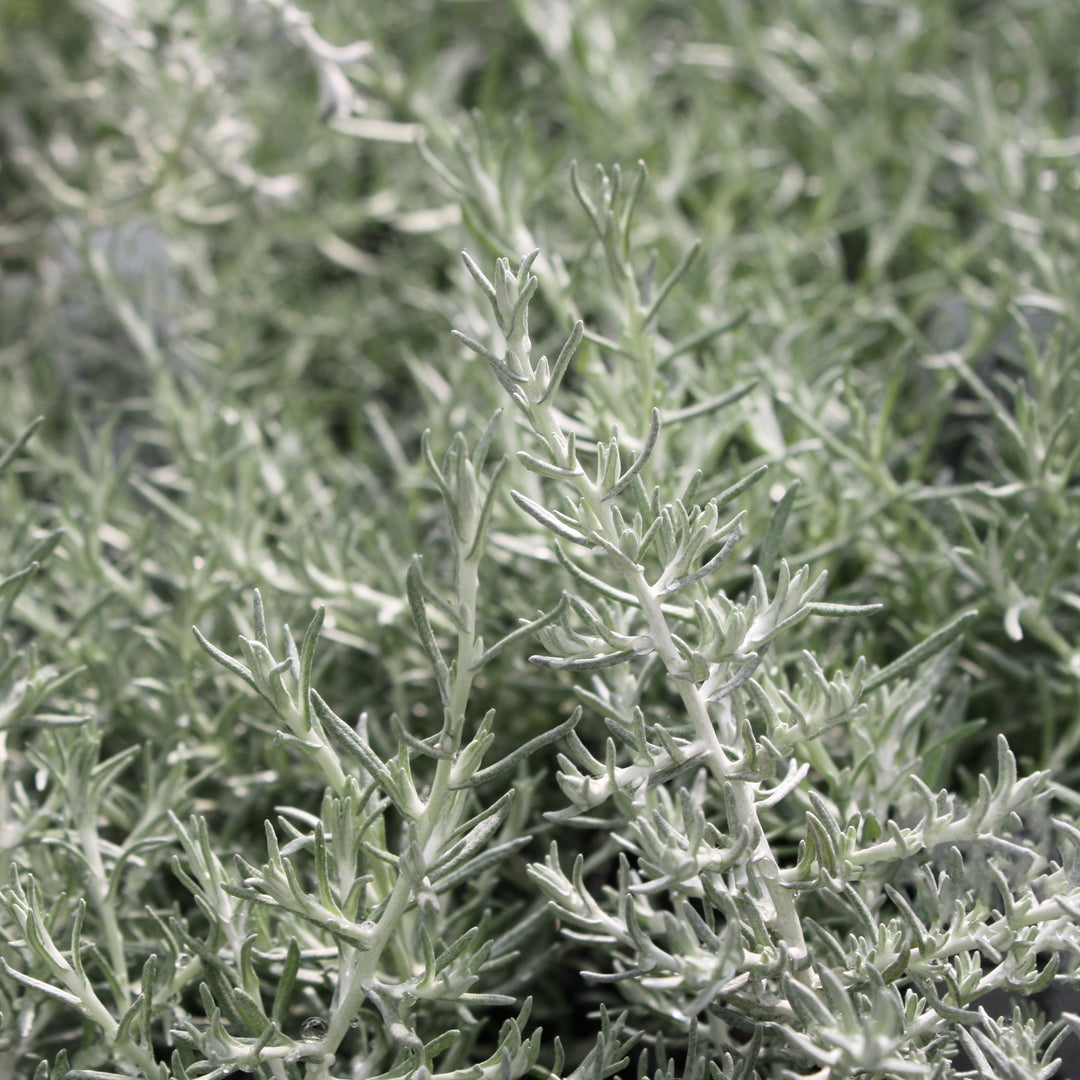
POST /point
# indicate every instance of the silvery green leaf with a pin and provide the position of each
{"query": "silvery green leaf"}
(640, 461)
(920, 653)
(414, 582)
(544, 468)
(566, 355)
(549, 520)
(671, 281)
(523, 752)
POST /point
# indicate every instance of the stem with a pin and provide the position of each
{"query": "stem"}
(98, 887)
(443, 812)
(641, 347)
(329, 763)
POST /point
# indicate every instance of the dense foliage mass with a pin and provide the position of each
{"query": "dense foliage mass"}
(686, 581)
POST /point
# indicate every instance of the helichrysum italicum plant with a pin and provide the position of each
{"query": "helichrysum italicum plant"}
(614, 722)
(780, 888)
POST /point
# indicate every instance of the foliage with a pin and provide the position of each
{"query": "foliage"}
(689, 678)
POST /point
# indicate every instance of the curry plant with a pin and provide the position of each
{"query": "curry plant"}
(779, 886)
(670, 705)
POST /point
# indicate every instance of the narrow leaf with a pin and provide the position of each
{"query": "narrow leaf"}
(286, 982)
(700, 337)
(527, 630)
(770, 545)
(566, 354)
(480, 350)
(548, 520)
(344, 735)
(226, 661)
(641, 459)
(671, 281)
(922, 652)
(486, 511)
(499, 768)
(844, 610)
(9, 455)
(479, 277)
(414, 589)
(546, 468)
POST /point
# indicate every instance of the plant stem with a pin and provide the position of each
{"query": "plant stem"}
(442, 813)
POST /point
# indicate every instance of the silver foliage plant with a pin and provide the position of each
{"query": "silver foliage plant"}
(787, 887)
(751, 851)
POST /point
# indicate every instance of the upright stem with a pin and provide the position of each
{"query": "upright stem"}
(443, 812)
(97, 886)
